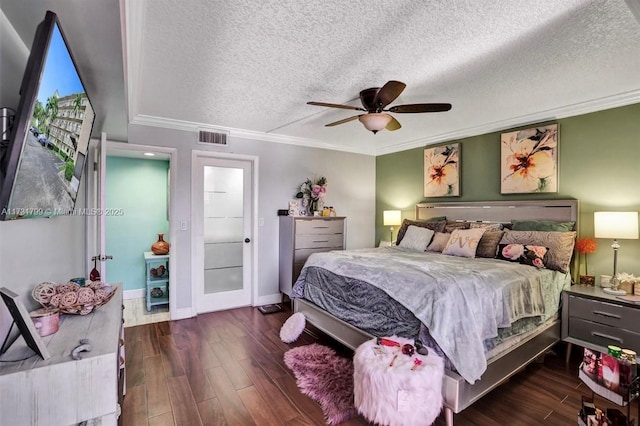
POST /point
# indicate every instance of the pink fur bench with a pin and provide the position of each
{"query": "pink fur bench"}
(391, 388)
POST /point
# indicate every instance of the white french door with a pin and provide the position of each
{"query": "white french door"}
(222, 208)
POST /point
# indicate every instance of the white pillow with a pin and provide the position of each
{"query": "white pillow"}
(464, 242)
(416, 238)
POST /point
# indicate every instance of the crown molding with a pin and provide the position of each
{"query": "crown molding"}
(609, 102)
(189, 126)
(591, 106)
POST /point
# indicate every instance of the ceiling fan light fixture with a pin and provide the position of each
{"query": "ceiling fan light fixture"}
(375, 121)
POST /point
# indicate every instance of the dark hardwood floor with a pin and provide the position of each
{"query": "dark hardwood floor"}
(227, 368)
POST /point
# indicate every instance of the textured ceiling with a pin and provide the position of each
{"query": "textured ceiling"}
(250, 66)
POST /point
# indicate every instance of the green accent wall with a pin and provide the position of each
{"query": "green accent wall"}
(599, 165)
(139, 188)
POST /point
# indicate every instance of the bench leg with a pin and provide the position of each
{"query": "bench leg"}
(448, 415)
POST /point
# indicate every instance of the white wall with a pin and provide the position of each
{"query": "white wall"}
(282, 168)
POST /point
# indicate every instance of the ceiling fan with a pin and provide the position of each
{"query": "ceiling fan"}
(374, 101)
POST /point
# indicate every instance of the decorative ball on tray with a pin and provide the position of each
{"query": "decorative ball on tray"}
(70, 298)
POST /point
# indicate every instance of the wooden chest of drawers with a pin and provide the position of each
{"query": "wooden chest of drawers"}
(594, 319)
(300, 236)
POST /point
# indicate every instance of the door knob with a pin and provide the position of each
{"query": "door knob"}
(247, 240)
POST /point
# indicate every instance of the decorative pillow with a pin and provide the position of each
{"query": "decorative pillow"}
(439, 242)
(542, 225)
(486, 225)
(525, 254)
(560, 245)
(452, 226)
(488, 245)
(463, 242)
(437, 226)
(416, 238)
(436, 219)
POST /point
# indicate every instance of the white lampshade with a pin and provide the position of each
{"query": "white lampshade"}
(616, 225)
(392, 217)
(375, 121)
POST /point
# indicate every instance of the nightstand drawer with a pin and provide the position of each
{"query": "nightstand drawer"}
(605, 313)
(334, 241)
(603, 335)
(319, 226)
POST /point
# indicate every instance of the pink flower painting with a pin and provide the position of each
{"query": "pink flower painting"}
(530, 160)
(441, 175)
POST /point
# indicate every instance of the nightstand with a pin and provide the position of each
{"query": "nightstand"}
(594, 319)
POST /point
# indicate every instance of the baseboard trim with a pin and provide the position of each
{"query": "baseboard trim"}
(137, 293)
(269, 299)
(177, 314)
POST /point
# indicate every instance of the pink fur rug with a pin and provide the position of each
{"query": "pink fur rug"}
(326, 377)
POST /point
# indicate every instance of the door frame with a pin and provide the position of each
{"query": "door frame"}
(115, 147)
(253, 160)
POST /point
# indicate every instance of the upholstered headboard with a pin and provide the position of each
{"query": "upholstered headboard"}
(501, 211)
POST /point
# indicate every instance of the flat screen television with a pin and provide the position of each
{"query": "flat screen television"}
(42, 164)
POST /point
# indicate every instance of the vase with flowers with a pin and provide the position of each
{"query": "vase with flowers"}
(312, 193)
(586, 246)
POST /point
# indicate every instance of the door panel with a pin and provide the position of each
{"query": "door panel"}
(222, 203)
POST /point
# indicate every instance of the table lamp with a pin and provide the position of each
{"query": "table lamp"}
(392, 218)
(616, 225)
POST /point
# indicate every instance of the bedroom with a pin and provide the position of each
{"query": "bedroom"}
(595, 147)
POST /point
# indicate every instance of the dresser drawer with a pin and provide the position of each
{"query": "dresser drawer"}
(329, 241)
(319, 226)
(605, 313)
(301, 255)
(603, 335)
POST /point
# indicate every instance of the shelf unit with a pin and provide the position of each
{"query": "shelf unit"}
(609, 395)
(156, 281)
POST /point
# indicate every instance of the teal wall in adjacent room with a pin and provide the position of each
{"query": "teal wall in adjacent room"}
(139, 188)
(599, 165)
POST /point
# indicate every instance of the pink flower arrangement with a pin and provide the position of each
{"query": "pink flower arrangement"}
(311, 192)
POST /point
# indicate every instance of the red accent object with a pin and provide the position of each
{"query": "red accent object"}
(386, 342)
(416, 363)
(94, 275)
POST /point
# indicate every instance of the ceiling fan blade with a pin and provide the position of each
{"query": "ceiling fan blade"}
(410, 108)
(344, 120)
(393, 124)
(324, 104)
(388, 93)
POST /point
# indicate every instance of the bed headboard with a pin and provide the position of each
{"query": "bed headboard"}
(501, 211)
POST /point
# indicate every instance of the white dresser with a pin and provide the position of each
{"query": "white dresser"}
(300, 236)
(61, 390)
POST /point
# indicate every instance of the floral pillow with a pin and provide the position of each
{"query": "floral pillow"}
(526, 254)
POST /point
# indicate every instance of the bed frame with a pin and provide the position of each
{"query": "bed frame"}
(458, 394)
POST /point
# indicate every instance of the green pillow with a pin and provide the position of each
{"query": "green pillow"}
(541, 225)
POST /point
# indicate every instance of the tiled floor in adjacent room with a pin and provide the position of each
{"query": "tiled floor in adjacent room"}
(135, 312)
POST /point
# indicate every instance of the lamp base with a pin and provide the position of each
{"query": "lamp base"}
(612, 291)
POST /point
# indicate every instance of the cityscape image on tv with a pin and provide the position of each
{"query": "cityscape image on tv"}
(55, 145)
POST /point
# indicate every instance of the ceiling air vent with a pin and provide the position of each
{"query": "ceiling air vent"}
(217, 138)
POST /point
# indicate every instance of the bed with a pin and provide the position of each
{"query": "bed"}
(327, 289)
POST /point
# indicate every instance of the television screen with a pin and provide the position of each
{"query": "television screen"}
(42, 166)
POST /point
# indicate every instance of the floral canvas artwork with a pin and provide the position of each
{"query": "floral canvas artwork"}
(529, 160)
(441, 171)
